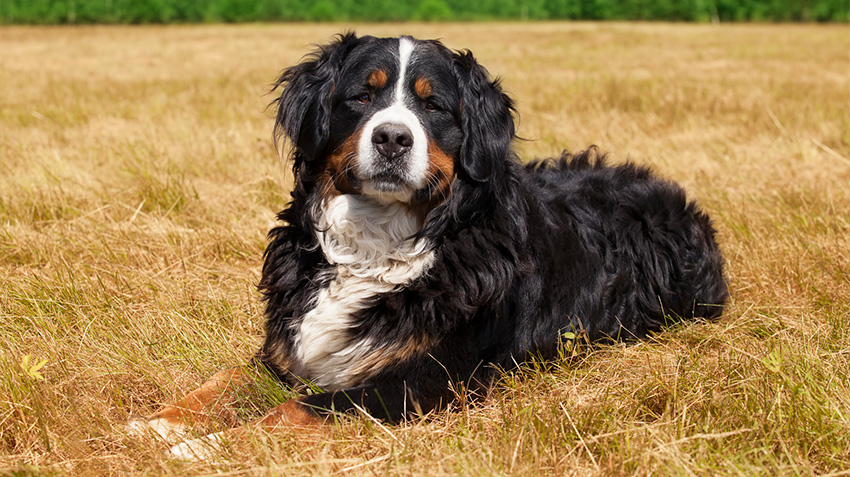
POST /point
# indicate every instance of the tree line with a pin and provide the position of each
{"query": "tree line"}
(53, 12)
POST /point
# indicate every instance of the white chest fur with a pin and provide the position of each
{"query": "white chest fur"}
(370, 245)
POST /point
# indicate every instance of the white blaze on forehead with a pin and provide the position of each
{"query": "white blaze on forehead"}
(405, 50)
(415, 171)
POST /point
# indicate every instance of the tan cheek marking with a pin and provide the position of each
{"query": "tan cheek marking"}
(377, 79)
(441, 173)
(442, 167)
(335, 178)
(423, 88)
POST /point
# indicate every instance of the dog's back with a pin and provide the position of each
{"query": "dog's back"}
(625, 252)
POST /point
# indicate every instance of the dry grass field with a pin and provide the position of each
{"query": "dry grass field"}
(138, 179)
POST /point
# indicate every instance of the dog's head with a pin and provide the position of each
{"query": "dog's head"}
(394, 119)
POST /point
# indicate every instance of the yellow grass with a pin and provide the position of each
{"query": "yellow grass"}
(138, 179)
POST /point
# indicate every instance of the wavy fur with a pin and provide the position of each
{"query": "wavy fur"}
(399, 278)
(496, 270)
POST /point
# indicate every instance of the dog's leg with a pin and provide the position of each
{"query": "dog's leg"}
(293, 415)
(306, 415)
(410, 388)
(209, 403)
(408, 391)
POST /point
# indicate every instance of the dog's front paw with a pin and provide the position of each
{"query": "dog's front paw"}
(197, 449)
(168, 429)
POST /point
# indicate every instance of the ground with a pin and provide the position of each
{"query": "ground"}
(138, 179)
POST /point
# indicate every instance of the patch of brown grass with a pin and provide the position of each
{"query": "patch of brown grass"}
(138, 179)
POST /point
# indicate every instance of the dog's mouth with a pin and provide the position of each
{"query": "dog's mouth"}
(387, 181)
(386, 186)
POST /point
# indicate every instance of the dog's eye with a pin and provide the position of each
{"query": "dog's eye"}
(431, 106)
(364, 98)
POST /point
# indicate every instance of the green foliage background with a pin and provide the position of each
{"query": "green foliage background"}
(50, 12)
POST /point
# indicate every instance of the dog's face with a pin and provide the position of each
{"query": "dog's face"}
(394, 119)
(394, 125)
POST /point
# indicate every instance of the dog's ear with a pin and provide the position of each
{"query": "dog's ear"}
(304, 107)
(487, 119)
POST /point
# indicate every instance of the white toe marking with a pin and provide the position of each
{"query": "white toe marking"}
(197, 449)
(166, 430)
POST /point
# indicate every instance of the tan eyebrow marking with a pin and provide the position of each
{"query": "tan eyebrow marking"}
(423, 88)
(377, 79)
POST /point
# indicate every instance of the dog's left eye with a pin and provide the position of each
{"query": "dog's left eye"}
(431, 106)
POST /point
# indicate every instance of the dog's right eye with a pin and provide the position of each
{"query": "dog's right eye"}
(364, 98)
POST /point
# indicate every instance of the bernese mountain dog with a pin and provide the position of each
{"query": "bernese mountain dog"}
(419, 257)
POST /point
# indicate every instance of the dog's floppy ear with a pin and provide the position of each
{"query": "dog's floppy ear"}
(304, 107)
(487, 119)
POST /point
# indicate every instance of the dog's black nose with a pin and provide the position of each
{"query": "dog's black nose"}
(392, 140)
